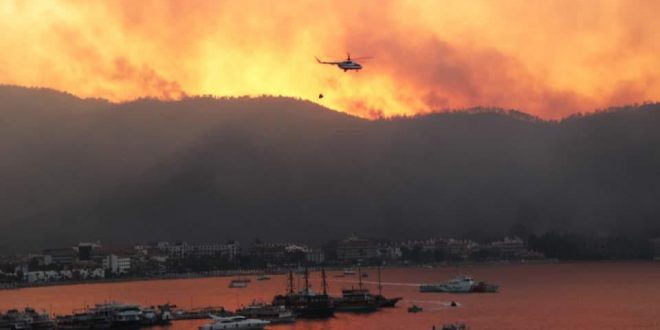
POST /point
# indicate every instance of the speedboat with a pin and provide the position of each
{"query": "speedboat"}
(414, 309)
(234, 322)
(238, 284)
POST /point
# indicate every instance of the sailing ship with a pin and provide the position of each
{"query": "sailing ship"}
(358, 300)
(306, 303)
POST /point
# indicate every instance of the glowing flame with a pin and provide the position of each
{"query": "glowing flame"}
(548, 58)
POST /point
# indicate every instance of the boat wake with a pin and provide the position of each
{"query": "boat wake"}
(376, 283)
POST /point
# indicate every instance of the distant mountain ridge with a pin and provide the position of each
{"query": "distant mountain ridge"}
(206, 169)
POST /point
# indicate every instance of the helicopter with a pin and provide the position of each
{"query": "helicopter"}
(347, 64)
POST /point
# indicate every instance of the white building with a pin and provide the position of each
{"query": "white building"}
(229, 250)
(117, 265)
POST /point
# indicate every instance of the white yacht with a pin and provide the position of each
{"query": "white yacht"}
(234, 322)
(460, 284)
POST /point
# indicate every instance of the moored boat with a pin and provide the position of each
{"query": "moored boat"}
(156, 316)
(235, 323)
(82, 320)
(120, 315)
(200, 313)
(272, 313)
(306, 303)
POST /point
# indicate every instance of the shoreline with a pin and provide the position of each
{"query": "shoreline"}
(252, 272)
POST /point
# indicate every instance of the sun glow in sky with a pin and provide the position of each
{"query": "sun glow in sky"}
(547, 58)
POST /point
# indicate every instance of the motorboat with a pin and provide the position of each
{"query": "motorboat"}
(234, 284)
(263, 277)
(460, 284)
(272, 313)
(234, 322)
(414, 309)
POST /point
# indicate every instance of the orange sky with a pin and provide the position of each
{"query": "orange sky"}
(548, 58)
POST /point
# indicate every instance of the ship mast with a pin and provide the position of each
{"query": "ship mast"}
(306, 281)
(325, 284)
(290, 282)
(359, 277)
(380, 286)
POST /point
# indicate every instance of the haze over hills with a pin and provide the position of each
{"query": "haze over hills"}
(205, 169)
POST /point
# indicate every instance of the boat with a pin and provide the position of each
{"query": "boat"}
(82, 320)
(157, 316)
(200, 313)
(5, 324)
(485, 287)
(18, 320)
(306, 303)
(237, 284)
(349, 271)
(243, 279)
(382, 300)
(120, 315)
(262, 311)
(454, 326)
(460, 284)
(26, 319)
(414, 309)
(235, 323)
(263, 277)
(358, 300)
(37, 320)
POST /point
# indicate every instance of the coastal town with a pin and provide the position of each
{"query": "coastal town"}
(89, 261)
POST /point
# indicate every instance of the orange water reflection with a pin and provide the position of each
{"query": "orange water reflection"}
(561, 296)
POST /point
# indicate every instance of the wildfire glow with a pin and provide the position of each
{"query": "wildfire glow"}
(547, 58)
